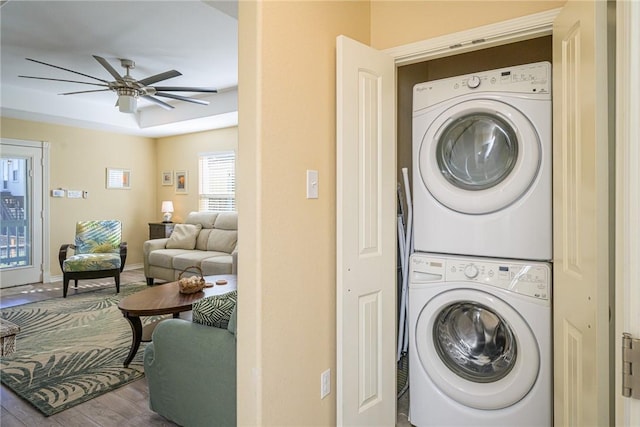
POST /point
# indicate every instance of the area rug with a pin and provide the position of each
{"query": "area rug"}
(70, 350)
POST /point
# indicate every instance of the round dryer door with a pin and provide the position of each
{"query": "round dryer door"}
(477, 349)
(479, 156)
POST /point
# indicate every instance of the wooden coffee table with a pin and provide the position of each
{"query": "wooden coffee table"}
(164, 299)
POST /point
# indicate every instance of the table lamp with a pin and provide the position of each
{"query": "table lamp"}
(167, 210)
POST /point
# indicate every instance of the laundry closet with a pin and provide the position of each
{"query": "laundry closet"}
(480, 395)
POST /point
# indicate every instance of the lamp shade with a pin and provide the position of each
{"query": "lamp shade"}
(167, 206)
(167, 209)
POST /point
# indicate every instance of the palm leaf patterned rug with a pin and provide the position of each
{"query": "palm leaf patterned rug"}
(70, 350)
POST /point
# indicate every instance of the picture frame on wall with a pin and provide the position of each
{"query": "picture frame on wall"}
(182, 182)
(118, 179)
(167, 178)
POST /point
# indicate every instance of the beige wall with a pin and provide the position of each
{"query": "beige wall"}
(287, 125)
(180, 153)
(78, 161)
(286, 279)
(398, 22)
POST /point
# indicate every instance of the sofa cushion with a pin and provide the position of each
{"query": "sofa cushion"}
(222, 240)
(164, 257)
(184, 236)
(226, 221)
(205, 219)
(215, 310)
(220, 264)
(191, 258)
(203, 239)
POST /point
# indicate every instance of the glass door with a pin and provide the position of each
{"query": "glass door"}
(21, 213)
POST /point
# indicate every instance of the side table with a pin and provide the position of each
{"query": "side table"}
(160, 230)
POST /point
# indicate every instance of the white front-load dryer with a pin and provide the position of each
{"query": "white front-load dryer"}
(480, 348)
(482, 164)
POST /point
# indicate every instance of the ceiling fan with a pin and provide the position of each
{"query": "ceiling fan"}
(130, 89)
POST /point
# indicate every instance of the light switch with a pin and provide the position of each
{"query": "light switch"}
(74, 194)
(312, 184)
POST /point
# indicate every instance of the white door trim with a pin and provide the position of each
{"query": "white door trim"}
(627, 194)
(511, 31)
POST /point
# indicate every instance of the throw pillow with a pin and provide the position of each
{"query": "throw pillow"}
(183, 236)
(215, 310)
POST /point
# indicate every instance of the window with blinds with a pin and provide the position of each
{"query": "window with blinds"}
(217, 181)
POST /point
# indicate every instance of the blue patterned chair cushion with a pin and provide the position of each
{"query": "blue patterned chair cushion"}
(98, 237)
(91, 262)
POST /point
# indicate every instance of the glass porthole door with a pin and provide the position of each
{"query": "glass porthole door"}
(477, 151)
(476, 348)
(479, 156)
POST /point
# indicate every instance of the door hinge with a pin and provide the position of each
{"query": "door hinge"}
(630, 366)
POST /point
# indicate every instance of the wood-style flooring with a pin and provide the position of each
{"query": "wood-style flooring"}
(126, 406)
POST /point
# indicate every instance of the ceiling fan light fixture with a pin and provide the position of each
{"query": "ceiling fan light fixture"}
(127, 100)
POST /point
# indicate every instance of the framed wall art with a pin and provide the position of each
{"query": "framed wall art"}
(167, 178)
(118, 178)
(182, 182)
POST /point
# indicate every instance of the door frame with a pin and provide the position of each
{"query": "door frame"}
(484, 37)
(627, 136)
(627, 288)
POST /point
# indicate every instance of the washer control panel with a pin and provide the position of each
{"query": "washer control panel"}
(527, 278)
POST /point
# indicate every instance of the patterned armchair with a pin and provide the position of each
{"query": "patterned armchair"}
(98, 252)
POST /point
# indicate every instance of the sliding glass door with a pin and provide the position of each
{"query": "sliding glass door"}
(21, 213)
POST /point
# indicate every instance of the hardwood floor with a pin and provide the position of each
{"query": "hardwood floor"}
(126, 406)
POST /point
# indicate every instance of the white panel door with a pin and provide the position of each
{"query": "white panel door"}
(582, 216)
(366, 236)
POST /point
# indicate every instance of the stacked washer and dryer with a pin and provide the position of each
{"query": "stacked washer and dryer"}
(480, 280)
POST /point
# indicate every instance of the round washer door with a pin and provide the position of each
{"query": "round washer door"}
(479, 156)
(477, 349)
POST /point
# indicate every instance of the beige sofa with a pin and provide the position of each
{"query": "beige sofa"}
(205, 239)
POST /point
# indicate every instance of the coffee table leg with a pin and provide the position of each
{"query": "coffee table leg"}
(136, 328)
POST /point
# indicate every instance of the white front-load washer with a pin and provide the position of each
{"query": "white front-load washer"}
(480, 349)
(482, 164)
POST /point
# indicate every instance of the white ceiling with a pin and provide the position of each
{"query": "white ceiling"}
(197, 38)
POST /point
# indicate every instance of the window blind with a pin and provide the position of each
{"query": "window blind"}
(217, 187)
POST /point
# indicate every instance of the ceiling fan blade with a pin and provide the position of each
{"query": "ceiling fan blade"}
(63, 80)
(158, 102)
(182, 98)
(84, 91)
(109, 68)
(160, 77)
(66, 69)
(184, 89)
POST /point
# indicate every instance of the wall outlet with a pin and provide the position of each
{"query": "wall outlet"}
(325, 383)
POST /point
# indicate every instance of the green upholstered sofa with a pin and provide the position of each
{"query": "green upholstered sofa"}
(207, 240)
(191, 372)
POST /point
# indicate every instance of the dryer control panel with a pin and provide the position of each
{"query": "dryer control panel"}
(530, 79)
(527, 278)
